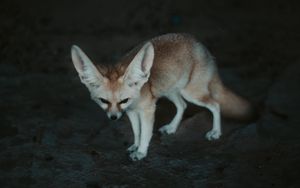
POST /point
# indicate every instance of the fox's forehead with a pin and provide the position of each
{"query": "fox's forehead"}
(114, 90)
(115, 84)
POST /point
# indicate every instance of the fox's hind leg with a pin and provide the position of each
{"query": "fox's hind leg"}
(180, 106)
(213, 106)
(198, 92)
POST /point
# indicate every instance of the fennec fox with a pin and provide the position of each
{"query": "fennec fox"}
(174, 66)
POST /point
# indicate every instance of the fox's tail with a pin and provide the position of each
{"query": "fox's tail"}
(232, 105)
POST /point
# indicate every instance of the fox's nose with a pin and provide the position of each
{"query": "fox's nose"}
(113, 117)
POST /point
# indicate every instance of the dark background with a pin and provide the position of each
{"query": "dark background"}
(53, 135)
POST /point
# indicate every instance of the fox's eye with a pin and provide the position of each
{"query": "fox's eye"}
(104, 101)
(124, 101)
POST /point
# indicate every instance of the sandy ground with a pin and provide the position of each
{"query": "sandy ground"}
(53, 135)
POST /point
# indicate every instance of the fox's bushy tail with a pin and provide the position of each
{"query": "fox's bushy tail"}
(232, 105)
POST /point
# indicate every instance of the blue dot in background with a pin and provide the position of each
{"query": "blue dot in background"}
(176, 20)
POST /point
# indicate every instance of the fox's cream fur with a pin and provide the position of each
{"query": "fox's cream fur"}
(175, 66)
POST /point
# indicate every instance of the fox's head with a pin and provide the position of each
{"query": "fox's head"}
(114, 93)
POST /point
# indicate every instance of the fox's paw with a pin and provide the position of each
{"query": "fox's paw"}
(167, 129)
(132, 148)
(135, 156)
(213, 135)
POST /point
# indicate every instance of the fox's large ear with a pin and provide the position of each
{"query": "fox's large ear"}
(138, 71)
(88, 73)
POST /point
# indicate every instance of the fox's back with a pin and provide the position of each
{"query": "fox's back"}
(175, 57)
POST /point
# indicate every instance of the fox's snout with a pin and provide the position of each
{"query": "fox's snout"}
(114, 115)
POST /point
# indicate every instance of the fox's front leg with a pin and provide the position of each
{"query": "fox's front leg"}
(147, 120)
(136, 128)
